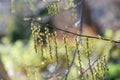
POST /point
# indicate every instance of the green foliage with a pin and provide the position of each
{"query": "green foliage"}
(114, 71)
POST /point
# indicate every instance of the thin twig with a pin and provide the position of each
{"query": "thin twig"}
(91, 65)
(93, 37)
(81, 15)
(70, 66)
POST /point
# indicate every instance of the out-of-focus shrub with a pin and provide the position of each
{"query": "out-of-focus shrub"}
(19, 30)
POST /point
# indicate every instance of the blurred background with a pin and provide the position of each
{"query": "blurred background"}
(101, 17)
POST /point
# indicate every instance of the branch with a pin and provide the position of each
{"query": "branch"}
(93, 37)
(91, 65)
(80, 9)
(70, 66)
